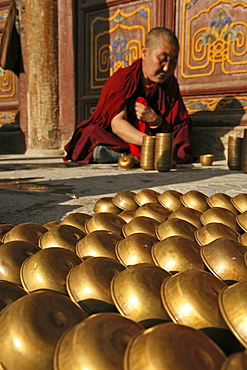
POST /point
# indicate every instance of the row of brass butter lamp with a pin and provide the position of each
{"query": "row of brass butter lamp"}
(148, 281)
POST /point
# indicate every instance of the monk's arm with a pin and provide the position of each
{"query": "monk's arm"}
(122, 128)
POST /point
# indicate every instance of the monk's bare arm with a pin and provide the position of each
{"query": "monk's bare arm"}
(122, 128)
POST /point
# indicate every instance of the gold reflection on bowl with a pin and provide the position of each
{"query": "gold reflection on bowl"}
(125, 200)
(172, 346)
(243, 239)
(236, 361)
(191, 298)
(177, 253)
(176, 226)
(136, 293)
(99, 243)
(225, 259)
(146, 196)
(61, 236)
(98, 342)
(233, 307)
(4, 228)
(240, 202)
(49, 225)
(135, 248)
(206, 159)
(27, 231)
(170, 199)
(188, 214)
(222, 215)
(221, 200)
(105, 221)
(153, 210)
(88, 284)
(76, 219)
(9, 292)
(241, 219)
(105, 204)
(214, 230)
(47, 269)
(196, 200)
(140, 224)
(127, 215)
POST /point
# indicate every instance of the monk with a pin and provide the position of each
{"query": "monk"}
(139, 100)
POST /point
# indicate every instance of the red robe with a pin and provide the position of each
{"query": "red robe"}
(121, 90)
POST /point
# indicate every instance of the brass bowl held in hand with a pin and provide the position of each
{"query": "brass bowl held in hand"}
(105, 221)
(127, 215)
(177, 253)
(136, 293)
(172, 346)
(176, 226)
(105, 204)
(47, 269)
(206, 159)
(195, 199)
(99, 243)
(170, 199)
(236, 361)
(225, 259)
(28, 232)
(31, 327)
(98, 342)
(61, 236)
(214, 230)
(76, 219)
(153, 210)
(125, 200)
(221, 200)
(240, 202)
(135, 248)
(188, 214)
(88, 284)
(233, 307)
(146, 196)
(12, 255)
(9, 292)
(222, 215)
(140, 224)
(190, 298)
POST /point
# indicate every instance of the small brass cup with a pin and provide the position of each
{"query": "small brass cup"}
(206, 159)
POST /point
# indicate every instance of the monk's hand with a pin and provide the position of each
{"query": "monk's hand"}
(145, 113)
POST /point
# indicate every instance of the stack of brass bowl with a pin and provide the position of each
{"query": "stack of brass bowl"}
(163, 152)
(76, 219)
(195, 199)
(188, 214)
(170, 199)
(175, 226)
(147, 153)
(27, 231)
(234, 152)
(88, 284)
(222, 215)
(191, 298)
(240, 202)
(9, 292)
(221, 200)
(153, 210)
(215, 230)
(124, 200)
(105, 221)
(146, 196)
(105, 204)
(141, 224)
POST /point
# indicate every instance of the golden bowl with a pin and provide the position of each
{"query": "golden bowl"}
(243, 239)
(146, 196)
(105, 204)
(175, 226)
(12, 255)
(170, 199)
(177, 253)
(188, 214)
(196, 200)
(49, 225)
(125, 200)
(76, 219)
(140, 224)
(135, 248)
(153, 210)
(28, 232)
(61, 236)
(127, 215)
(105, 221)
(99, 243)
(225, 259)
(4, 228)
(172, 346)
(214, 230)
(31, 326)
(236, 361)
(241, 220)
(9, 292)
(88, 284)
(191, 298)
(136, 293)
(206, 159)
(222, 215)
(47, 269)
(233, 307)
(128, 161)
(98, 342)
(240, 202)
(221, 200)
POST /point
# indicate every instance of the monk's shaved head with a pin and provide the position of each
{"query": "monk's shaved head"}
(159, 34)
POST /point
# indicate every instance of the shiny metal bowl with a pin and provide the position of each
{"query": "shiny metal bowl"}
(47, 269)
(136, 293)
(99, 243)
(214, 230)
(188, 214)
(236, 361)
(140, 224)
(28, 232)
(196, 200)
(105, 204)
(125, 200)
(4, 228)
(98, 342)
(240, 202)
(49, 225)
(222, 215)
(153, 210)
(170, 199)
(76, 219)
(221, 200)
(135, 248)
(9, 292)
(176, 226)
(225, 259)
(177, 253)
(241, 220)
(105, 221)
(243, 239)
(146, 196)
(88, 284)
(127, 215)
(191, 298)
